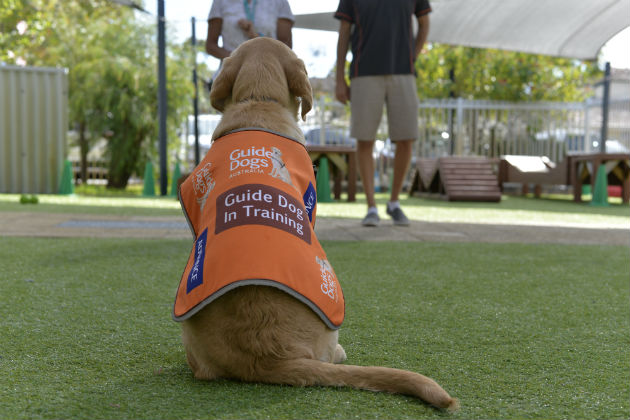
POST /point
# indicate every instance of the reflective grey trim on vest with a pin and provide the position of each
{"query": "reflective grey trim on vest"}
(255, 282)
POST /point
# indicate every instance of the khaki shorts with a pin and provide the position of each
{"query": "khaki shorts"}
(369, 93)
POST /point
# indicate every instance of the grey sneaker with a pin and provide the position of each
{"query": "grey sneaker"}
(371, 219)
(398, 216)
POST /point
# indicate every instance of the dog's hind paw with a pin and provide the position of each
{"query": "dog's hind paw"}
(340, 354)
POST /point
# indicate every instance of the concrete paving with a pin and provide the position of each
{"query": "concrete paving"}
(345, 229)
(34, 224)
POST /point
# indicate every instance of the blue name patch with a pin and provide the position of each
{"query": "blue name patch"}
(310, 200)
(195, 277)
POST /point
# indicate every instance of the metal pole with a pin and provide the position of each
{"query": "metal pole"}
(605, 106)
(196, 97)
(588, 145)
(162, 99)
(460, 129)
(451, 76)
(322, 121)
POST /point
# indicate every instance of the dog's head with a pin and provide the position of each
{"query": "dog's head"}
(263, 69)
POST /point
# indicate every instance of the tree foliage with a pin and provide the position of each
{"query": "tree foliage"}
(473, 73)
(111, 57)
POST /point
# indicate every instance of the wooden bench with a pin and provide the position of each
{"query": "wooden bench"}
(583, 169)
(536, 170)
(342, 163)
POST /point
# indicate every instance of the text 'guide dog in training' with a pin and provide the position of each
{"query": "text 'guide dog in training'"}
(258, 299)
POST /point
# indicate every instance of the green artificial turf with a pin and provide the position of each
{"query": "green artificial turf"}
(513, 331)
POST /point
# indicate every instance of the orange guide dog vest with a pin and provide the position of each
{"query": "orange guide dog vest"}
(251, 207)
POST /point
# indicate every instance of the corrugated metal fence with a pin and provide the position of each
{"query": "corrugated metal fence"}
(33, 128)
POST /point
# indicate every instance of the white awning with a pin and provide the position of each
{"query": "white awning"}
(562, 28)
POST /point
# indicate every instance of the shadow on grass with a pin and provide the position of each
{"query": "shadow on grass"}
(174, 393)
(553, 204)
(511, 210)
(77, 204)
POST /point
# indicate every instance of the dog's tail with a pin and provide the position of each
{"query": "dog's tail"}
(308, 372)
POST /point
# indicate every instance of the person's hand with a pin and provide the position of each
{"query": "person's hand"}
(342, 91)
(423, 51)
(247, 26)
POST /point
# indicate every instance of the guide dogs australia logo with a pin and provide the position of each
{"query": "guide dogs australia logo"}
(257, 160)
(329, 283)
(203, 182)
(251, 159)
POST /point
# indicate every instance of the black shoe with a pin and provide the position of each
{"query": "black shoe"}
(398, 216)
(371, 219)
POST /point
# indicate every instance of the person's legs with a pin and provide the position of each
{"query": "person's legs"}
(402, 115)
(366, 103)
(366, 169)
(402, 159)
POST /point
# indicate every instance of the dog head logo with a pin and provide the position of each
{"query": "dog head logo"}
(329, 283)
(278, 167)
(203, 183)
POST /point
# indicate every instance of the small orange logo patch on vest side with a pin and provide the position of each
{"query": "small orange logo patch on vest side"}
(329, 283)
(203, 182)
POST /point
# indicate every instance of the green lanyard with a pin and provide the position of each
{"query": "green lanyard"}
(250, 12)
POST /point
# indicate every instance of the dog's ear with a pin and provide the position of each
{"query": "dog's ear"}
(299, 85)
(222, 86)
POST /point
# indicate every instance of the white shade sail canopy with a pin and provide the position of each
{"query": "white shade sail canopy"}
(562, 28)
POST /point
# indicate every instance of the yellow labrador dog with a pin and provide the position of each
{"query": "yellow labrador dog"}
(260, 333)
